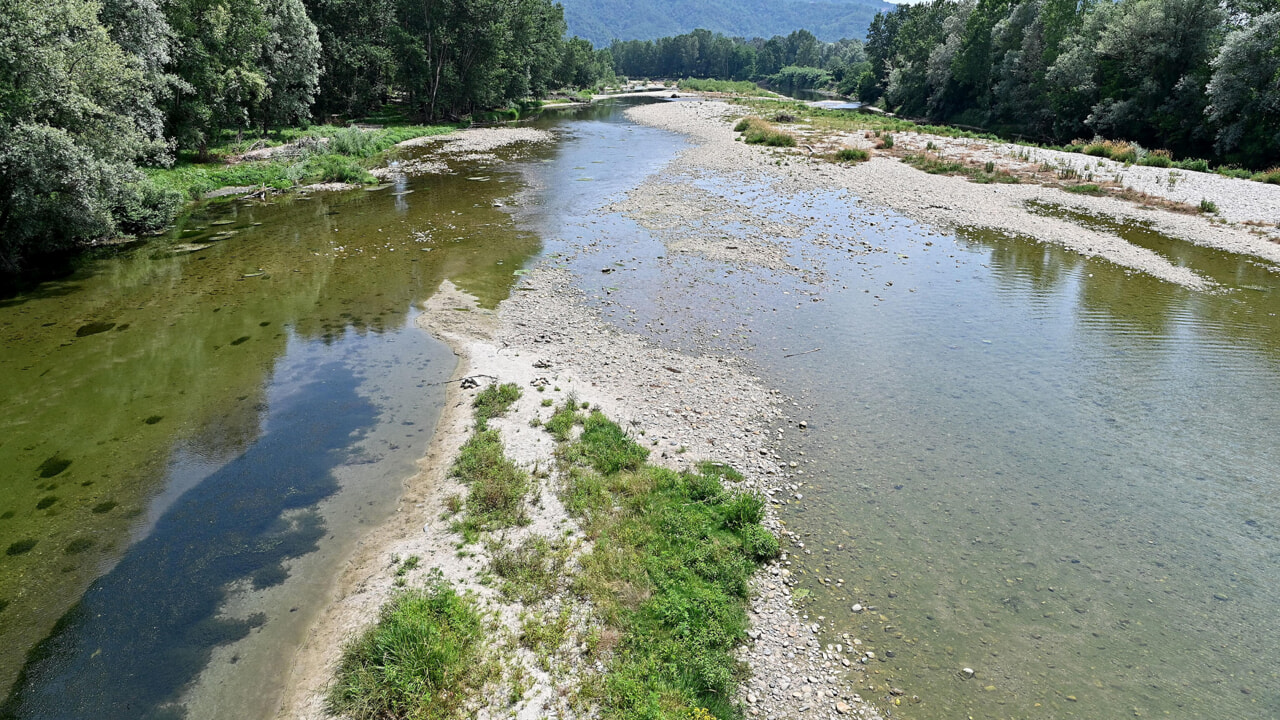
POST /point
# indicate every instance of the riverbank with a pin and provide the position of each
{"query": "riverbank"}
(687, 409)
(692, 406)
(952, 202)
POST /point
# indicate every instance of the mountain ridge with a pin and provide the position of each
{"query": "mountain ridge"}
(602, 21)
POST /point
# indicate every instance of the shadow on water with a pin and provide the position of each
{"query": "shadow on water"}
(238, 526)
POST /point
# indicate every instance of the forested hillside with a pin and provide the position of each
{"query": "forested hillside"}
(602, 21)
(1194, 77)
(93, 92)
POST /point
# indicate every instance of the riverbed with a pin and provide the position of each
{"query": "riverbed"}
(1047, 467)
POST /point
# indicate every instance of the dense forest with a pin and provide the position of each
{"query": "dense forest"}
(1195, 77)
(798, 60)
(602, 21)
(92, 92)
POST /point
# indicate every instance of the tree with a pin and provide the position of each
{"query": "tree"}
(1244, 93)
(69, 129)
(216, 56)
(290, 64)
(357, 62)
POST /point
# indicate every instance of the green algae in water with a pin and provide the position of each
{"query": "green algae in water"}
(46, 501)
(21, 547)
(105, 507)
(93, 329)
(153, 419)
(53, 467)
(240, 340)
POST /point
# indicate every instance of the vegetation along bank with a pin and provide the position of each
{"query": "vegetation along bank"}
(111, 112)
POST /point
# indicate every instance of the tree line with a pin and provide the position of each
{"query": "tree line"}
(1199, 78)
(93, 90)
(795, 60)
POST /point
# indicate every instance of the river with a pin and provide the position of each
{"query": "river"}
(1038, 466)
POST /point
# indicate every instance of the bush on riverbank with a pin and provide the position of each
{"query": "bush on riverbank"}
(756, 131)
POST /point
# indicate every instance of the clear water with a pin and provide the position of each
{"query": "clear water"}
(194, 440)
(1042, 467)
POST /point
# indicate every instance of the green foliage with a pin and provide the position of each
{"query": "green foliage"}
(1085, 189)
(703, 54)
(793, 77)
(671, 558)
(758, 132)
(852, 155)
(606, 447)
(496, 487)
(1183, 74)
(494, 401)
(422, 660)
(736, 87)
(1193, 164)
(562, 421)
(1208, 207)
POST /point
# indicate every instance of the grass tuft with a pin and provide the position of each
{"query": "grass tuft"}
(422, 660)
(494, 401)
(852, 155)
(756, 131)
(497, 487)
(530, 571)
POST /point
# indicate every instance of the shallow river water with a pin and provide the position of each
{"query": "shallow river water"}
(1034, 465)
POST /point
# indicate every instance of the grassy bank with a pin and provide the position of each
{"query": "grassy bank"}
(655, 591)
(324, 153)
(1117, 150)
(672, 554)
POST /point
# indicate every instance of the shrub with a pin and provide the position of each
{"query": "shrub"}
(146, 206)
(758, 132)
(1153, 160)
(1208, 206)
(1271, 176)
(852, 155)
(337, 168)
(354, 142)
(1196, 165)
(743, 509)
(760, 543)
(494, 401)
(422, 659)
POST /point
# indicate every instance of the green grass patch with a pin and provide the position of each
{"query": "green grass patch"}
(423, 659)
(1208, 206)
(852, 155)
(936, 165)
(494, 401)
(1085, 189)
(496, 487)
(327, 153)
(606, 447)
(531, 571)
(672, 555)
(561, 423)
(756, 131)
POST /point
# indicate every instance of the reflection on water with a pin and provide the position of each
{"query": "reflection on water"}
(145, 399)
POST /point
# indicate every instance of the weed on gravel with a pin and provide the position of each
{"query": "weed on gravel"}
(672, 554)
